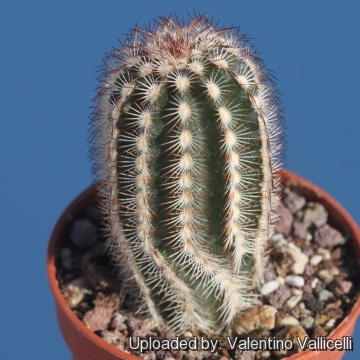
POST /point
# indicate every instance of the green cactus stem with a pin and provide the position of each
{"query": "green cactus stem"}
(187, 142)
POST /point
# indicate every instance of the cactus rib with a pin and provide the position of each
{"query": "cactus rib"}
(187, 142)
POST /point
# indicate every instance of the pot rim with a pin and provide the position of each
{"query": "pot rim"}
(86, 199)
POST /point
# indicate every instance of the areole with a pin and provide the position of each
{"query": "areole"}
(85, 345)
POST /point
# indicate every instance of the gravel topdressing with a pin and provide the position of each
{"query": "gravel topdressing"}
(310, 286)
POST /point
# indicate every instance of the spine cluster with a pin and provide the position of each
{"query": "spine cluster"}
(187, 142)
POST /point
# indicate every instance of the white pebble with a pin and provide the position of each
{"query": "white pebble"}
(314, 283)
(280, 280)
(330, 323)
(325, 253)
(277, 237)
(294, 248)
(289, 321)
(299, 265)
(269, 287)
(294, 300)
(316, 260)
(296, 291)
(294, 280)
(328, 274)
(307, 322)
(75, 291)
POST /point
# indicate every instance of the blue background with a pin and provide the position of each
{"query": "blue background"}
(48, 57)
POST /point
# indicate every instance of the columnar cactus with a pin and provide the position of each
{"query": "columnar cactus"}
(186, 138)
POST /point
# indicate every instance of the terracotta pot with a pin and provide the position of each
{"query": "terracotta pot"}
(85, 345)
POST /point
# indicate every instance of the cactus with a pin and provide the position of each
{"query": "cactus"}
(187, 142)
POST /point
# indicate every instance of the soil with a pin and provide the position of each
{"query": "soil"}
(310, 286)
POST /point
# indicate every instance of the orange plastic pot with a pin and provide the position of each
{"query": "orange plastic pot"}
(85, 345)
